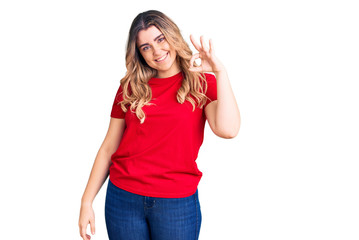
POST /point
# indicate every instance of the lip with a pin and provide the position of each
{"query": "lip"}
(162, 59)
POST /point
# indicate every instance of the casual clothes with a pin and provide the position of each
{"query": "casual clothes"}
(136, 217)
(158, 158)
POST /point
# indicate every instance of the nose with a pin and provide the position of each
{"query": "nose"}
(156, 51)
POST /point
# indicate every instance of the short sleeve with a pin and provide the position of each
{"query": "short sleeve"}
(117, 111)
(211, 88)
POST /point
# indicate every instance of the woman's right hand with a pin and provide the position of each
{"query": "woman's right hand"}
(87, 216)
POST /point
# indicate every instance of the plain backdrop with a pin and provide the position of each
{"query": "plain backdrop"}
(292, 171)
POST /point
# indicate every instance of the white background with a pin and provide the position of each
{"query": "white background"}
(292, 171)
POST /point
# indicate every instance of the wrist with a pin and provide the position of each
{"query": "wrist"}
(86, 202)
(220, 72)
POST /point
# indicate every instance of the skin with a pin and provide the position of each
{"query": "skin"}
(222, 114)
(153, 47)
(99, 174)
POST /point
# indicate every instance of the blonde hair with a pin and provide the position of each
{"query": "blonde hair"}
(136, 90)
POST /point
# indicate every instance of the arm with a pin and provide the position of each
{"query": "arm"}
(223, 114)
(99, 173)
(100, 169)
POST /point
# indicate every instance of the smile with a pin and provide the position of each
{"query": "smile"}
(162, 58)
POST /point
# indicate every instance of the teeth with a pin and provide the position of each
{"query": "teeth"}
(161, 58)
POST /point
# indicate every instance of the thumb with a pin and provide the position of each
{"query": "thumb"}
(193, 58)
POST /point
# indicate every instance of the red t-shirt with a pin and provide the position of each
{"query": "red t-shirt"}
(158, 158)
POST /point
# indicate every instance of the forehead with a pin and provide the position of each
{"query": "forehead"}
(147, 36)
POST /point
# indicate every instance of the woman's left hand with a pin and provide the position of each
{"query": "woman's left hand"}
(209, 62)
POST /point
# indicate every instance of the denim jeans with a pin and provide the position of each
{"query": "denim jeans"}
(135, 217)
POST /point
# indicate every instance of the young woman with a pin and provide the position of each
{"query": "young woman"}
(155, 132)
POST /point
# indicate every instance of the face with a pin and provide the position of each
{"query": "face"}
(157, 53)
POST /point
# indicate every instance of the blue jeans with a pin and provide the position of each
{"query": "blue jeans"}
(135, 217)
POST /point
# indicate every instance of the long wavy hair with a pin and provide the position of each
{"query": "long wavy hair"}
(136, 90)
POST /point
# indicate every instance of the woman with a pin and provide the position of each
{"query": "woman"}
(155, 132)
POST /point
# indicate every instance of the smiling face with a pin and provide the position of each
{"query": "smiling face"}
(157, 53)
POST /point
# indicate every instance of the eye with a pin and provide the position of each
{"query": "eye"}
(144, 49)
(161, 39)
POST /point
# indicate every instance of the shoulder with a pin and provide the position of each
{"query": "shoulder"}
(120, 90)
(210, 77)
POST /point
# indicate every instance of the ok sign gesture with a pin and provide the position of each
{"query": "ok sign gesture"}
(209, 62)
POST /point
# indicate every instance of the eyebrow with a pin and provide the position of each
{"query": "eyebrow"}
(153, 40)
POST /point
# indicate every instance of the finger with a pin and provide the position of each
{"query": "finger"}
(192, 63)
(195, 44)
(83, 233)
(92, 225)
(193, 58)
(195, 69)
(211, 46)
(204, 46)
